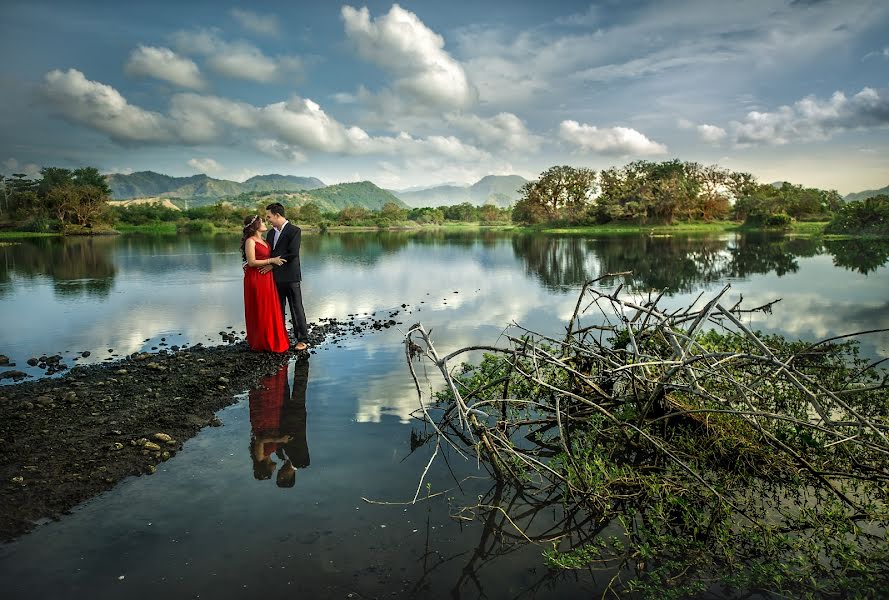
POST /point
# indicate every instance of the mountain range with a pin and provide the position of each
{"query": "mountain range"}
(866, 194)
(501, 190)
(198, 190)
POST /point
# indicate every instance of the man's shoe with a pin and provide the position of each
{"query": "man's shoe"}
(300, 346)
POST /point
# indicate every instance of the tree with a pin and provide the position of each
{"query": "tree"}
(392, 213)
(561, 192)
(310, 213)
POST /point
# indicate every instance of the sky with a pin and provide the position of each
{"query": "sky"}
(429, 92)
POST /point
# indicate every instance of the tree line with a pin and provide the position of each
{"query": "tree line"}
(61, 199)
(644, 192)
(639, 193)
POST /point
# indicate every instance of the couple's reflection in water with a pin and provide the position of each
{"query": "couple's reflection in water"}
(278, 424)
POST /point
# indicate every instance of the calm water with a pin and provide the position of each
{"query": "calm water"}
(205, 526)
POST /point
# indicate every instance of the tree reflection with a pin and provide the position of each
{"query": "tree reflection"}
(864, 256)
(674, 263)
(77, 266)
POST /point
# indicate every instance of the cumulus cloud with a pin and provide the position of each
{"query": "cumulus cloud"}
(280, 150)
(403, 45)
(814, 119)
(260, 24)
(711, 133)
(502, 131)
(12, 166)
(608, 140)
(238, 60)
(282, 129)
(205, 165)
(344, 98)
(163, 63)
(73, 97)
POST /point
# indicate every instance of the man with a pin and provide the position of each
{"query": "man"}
(295, 449)
(284, 240)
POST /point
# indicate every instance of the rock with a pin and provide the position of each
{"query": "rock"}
(43, 400)
(85, 353)
(151, 469)
(27, 405)
(162, 437)
(151, 446)
(33, 362)
(18, 479)
(14, 375)
(121, 372)
(4, 360)
(117, 446)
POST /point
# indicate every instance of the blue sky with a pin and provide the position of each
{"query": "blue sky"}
(421, 93)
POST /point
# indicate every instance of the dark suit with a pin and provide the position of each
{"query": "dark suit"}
(293, 419)
(288, 277)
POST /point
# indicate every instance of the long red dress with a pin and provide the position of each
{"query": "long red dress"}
(262, 309)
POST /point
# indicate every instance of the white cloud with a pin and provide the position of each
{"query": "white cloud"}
(119, 170)
(238, 60)
(504, 131)
(283, 129)
(814, 119)
(280, 150)
(609, 140)
(344, 98)
(205, 165)
(12, 166)
(75, 98)
(164, 64)
(403, 45)
(260, 24)
(711, 133)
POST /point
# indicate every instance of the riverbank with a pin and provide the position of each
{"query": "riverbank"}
(797, 228)
(66, 439)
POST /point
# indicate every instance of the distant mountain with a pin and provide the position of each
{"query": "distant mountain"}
(200, 189)
(866, 194)
(501, 190)
(362, 193)
(331, 198)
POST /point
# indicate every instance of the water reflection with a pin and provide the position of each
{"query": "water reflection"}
(863, 256)
(77, 266)
(278, 425)
(682, 264)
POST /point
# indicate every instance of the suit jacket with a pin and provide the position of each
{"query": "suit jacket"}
(293, 419)
(288, 249)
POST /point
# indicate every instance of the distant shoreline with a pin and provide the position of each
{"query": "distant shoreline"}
(799, 228)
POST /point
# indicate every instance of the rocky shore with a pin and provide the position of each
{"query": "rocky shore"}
(65, 439)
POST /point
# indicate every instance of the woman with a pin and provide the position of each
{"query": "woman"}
(262, 309)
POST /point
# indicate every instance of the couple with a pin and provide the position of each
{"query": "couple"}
(272, 278)
(278, 425)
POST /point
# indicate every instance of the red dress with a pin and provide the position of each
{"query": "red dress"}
(266, 403)
(262, 309)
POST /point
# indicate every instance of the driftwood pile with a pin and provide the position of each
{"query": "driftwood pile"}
(638, 405)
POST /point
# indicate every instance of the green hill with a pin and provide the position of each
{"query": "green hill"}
(331, 198)
(200, 189)
(501, 190)
(866, 194)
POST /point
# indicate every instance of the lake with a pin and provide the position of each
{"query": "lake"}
(209, 525)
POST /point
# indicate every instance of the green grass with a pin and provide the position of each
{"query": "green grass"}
(147, 228)
(714, 227)
(17, 235)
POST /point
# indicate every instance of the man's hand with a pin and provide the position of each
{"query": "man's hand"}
(266, 269)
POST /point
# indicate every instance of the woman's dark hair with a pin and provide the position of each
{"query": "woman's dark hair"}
(251, 226)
